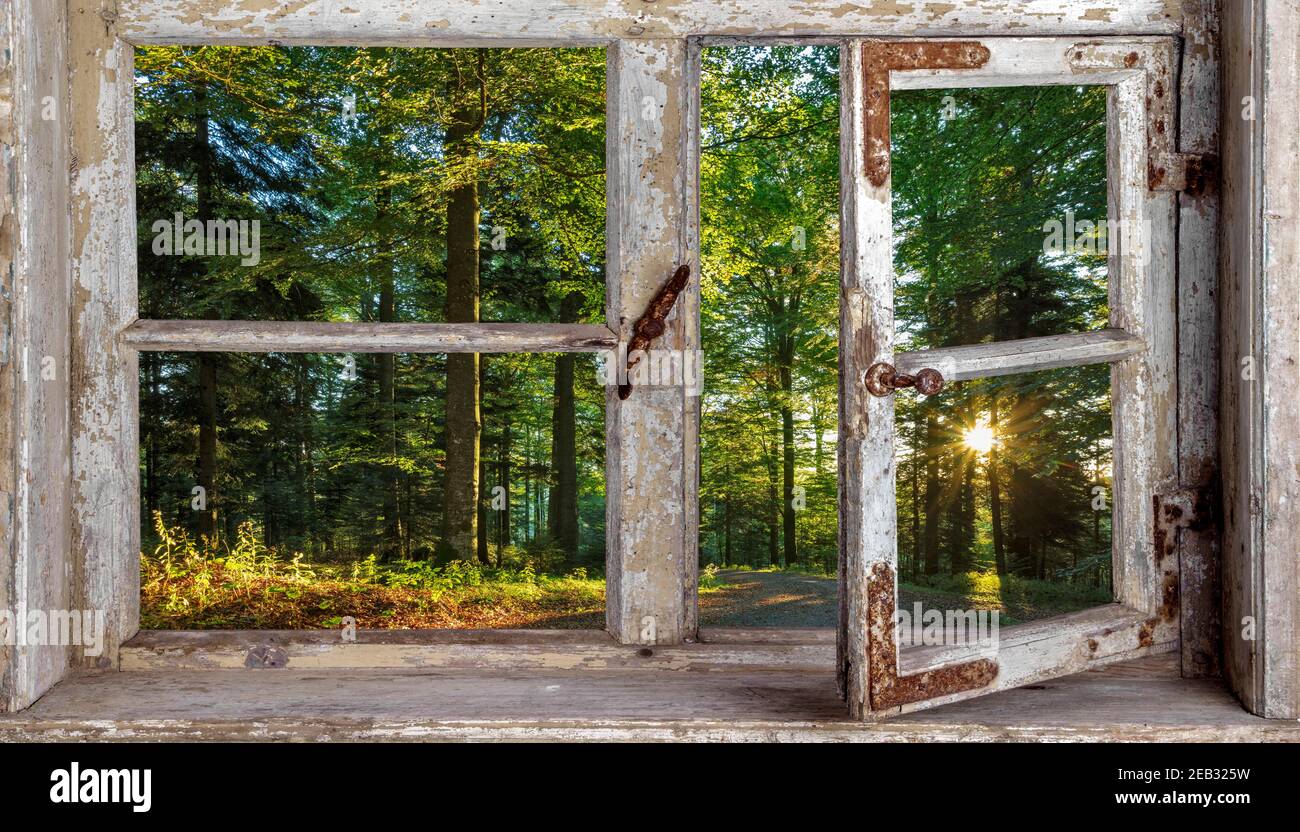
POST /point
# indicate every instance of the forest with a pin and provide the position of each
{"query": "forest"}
(1005, 478)
(426, 185)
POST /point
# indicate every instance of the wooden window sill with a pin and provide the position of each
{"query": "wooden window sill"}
(459, 686)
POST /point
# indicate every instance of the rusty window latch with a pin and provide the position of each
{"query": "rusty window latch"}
(652, 324)
(882, 379)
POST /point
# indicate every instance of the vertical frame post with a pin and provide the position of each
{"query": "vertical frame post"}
(651, 456)
(104, 378)
(35, 558)
(1259, 441)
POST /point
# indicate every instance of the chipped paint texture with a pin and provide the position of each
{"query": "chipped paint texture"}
(646, 457)
(463, 649)
(1260, 332)
(590, 21)
(105, 528)
(328, 336)
(35, 565)
(1167, 169)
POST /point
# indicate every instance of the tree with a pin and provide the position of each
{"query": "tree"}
(364, 175)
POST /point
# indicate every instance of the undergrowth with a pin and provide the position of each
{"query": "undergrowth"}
(189, 585)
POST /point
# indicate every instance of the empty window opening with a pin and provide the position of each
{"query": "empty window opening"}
(328, 498)
(770, 179)
(284, 489)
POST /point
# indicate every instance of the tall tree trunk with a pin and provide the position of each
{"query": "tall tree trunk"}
(963, 476)
(774, 504)
(966, 538)
(503, 479)
(819, 427)
(528, 484)
(564, 443)
(484, 497)
(1096, 515)
(726, 525)
(150, 360)
(390, 545)
(484, 555)
(933, 448)
(916, 509)
(303, 522)
(208, 415)
(995, 496)
(786, 377)
(208, 445)
(542, 496)
(460, 513)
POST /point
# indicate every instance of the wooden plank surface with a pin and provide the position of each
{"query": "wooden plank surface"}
(1198, 342)
(165, 651)
(1260, 343)
(34, 355)
(472, 22)
(866, 423)
(316, 336)
(650, 452)
(1025, 355)
(105, 376)
(1123, 703)
(1142, 302)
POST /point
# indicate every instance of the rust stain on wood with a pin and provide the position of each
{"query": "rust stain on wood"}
(652, 324)
(878, 58)
(1192, 509)
(1146, 632)
(888, 688)
(1201, 173)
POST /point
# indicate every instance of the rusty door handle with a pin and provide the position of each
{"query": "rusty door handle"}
(882, 379)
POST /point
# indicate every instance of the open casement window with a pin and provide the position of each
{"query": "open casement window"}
(876, 676)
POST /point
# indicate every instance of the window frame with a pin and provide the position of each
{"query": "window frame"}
(647, 54)
(876, 676)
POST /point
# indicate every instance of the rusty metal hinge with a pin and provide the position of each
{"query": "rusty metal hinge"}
(1194, 509)
(1192, 173)
(1191, 509)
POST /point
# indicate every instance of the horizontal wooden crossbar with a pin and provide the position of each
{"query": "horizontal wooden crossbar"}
(312, 336)
(1025, 355)
(576, 22)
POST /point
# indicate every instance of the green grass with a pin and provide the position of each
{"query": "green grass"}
(185, 585)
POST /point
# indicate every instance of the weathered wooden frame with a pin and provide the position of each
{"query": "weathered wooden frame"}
(876, 677)
(1260, 342)
(651, 51)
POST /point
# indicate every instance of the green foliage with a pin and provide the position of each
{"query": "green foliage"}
(310, 456)
(330, 470)
(978, 176)
(192, 586)
(769, 288)
(710, 580)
